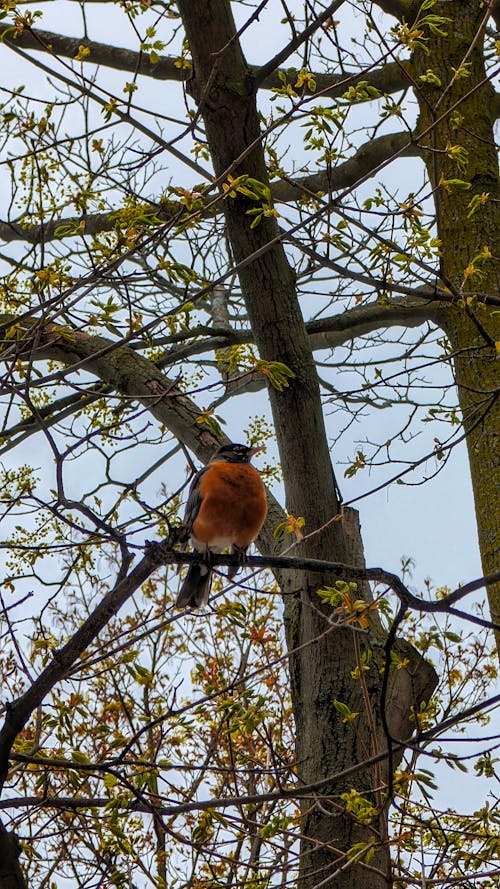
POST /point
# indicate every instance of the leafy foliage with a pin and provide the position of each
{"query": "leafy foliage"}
(165, 755)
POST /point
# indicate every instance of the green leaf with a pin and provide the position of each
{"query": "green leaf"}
(277, 373)
(110, 781)
(80, 756)
(346, 713)
(450, 185)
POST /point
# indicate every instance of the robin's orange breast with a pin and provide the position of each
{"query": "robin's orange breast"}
(233, 505)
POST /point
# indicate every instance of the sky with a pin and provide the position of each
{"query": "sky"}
(433, 524)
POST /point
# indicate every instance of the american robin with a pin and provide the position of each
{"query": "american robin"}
(226, 507)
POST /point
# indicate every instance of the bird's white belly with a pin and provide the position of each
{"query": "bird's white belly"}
(215, 545)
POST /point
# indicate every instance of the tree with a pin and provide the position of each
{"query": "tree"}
(132, 291)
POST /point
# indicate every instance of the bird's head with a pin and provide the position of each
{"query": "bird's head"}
(235, 453)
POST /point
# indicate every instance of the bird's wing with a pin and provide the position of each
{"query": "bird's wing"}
(194, 500)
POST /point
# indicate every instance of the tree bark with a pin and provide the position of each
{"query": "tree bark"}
(11, 875)
(322, 656)
(472, 329)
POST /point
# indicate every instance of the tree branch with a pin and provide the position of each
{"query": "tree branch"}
(302, 791)
(368, 157)
(451, 296)
(129, 373)
(90, 224)
(398, 8)
(277, 60)
(11, 875)
(87, 89)
(162, 553)
(103, 54)
(225, 802)
(324, 333)
(404, 311)
(335, 330)
(388, 79)
(19, 711)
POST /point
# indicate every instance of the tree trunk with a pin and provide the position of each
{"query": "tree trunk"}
(11, 876)
(322, 656)
(472, 328)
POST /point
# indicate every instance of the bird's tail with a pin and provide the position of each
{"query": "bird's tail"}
(195, 589)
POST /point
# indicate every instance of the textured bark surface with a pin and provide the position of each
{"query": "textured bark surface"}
(322, 656)
(463, 238)
(11, 876)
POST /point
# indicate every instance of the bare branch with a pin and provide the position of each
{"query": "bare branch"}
(277, 60)
(20, 710)
(90, 224)
(398, 8)
(87, 89)
(163, 553)
(134, 376)
(387, 79)
(100, 53)
(368, 157)
(129, 373)
(324, 333)
(405, 311)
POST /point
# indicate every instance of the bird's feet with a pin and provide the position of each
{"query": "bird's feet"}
(241, 553)
(208, 557)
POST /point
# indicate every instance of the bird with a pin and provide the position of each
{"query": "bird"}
(226, 508)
